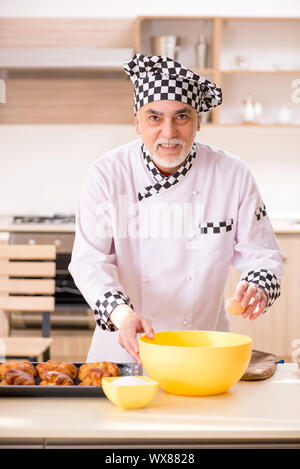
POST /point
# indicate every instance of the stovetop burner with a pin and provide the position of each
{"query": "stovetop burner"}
(57, 218)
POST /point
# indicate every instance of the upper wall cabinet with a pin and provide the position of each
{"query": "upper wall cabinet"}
(66, 71)
(256, 61)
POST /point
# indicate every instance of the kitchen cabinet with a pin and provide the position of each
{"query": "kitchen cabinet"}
(254, 60)
(66, 70)
(278, 330)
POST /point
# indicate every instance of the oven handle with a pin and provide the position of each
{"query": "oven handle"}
(67, 290)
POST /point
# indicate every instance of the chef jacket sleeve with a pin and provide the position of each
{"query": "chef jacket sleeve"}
(256, 252)
(93, 262)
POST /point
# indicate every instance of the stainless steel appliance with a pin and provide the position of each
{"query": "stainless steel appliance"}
(166, 46)
(71, 309)
(201, 52)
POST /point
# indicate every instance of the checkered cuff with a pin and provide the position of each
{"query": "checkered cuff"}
(266, 280)
(260, 212)
(105, 306)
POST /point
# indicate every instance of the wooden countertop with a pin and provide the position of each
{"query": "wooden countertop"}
(251, 411)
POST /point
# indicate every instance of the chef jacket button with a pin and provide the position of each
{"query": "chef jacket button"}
(188, 277)
(146, 280)
(185, 322)
(194, 192)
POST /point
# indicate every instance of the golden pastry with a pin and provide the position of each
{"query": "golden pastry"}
(56, 378)
(62, 367)
(15, 377)
(110, 367)
(25, 366)
(94, 377)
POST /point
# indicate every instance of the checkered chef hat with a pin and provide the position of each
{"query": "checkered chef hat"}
(158, 78)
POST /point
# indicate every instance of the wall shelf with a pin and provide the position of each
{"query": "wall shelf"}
(76, 58)
(274, 72)
(239, 50)
(63, 70)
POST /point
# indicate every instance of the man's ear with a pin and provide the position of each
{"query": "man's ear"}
(198, 123)
(137, 124)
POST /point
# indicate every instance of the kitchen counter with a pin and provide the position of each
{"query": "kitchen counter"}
(254, 413)
(284, 226)
(6, 225)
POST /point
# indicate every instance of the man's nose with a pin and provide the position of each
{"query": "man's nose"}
(168, 129)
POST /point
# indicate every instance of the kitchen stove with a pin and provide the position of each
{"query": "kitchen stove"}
(57, 219)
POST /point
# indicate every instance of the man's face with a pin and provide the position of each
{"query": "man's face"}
(168, 130)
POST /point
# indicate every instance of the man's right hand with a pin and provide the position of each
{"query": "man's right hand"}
(128, 329)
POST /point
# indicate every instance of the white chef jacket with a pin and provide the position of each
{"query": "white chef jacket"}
(164, 245)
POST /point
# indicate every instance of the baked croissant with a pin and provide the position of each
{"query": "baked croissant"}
(110, 367)
(17, 378)
(56, 378)
(94, 377)
(25, 366)
(61, 367)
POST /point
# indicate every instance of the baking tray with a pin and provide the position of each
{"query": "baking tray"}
(127, 369)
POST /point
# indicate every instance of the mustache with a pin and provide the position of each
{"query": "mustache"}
(172, 141)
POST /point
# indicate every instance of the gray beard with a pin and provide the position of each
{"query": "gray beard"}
(170, 162)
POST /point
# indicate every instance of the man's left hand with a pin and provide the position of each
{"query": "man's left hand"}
(252, 297)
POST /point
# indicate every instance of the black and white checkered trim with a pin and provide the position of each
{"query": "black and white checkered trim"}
(266, 280)
(260, 212)
(164, 182)
(105, 306)
(159, 78)
(220, 227)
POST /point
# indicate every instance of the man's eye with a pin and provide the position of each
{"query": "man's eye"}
(153, 118)
(182, 116)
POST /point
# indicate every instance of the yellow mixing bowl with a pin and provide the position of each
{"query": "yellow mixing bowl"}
(195, 363)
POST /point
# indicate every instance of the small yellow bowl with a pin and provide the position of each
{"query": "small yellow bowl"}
(133, 396)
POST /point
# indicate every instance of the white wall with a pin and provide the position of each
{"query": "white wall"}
(42, 167)
(132, 8)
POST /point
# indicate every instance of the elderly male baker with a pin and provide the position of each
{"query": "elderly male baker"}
(161, 219)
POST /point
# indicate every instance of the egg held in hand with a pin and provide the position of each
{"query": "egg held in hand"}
(234, 306)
